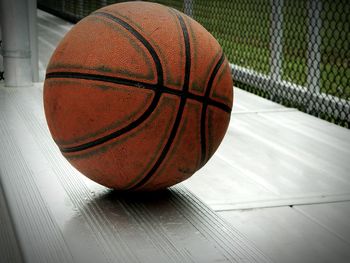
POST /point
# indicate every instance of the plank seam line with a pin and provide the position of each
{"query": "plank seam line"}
(280, 205)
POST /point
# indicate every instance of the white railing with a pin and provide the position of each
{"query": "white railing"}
(319, 101)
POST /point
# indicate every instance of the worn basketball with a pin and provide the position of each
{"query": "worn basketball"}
(138, 96)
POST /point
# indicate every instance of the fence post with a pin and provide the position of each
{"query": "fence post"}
(1, 60)
(314, 45)
(33, 36)
(276, 40)
(188, 7)
(16, 43)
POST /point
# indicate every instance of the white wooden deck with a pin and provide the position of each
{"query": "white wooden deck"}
(281, 178)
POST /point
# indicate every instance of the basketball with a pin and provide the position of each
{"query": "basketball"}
(138, 96)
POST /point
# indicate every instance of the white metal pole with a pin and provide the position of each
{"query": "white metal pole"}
(16, 43)
(188, 7)
(33, 38)
(1, 60)
(314, 45)
(276, 39)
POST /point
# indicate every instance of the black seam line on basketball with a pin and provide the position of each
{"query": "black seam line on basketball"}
(138, 84)
(179, 112)
(117, 133)
(141, 38)
(205, 106)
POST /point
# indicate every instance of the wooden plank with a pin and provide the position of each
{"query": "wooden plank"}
(261, 156)
(61, 216)
(310, 126)
(38, 235)
(9, 247)
(334, 217)
(287, 236)
(276, 158)
(222, 182)
(245, 102)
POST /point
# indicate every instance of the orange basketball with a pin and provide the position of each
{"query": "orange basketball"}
(138, 96)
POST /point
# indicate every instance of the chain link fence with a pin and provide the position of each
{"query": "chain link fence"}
(294, 52)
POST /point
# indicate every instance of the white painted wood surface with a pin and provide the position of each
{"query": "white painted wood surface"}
(288, 236)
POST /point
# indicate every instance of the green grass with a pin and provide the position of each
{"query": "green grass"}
(244, 38)
(243, 30)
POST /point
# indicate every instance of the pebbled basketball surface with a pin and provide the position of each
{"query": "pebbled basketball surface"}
(138, 96)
